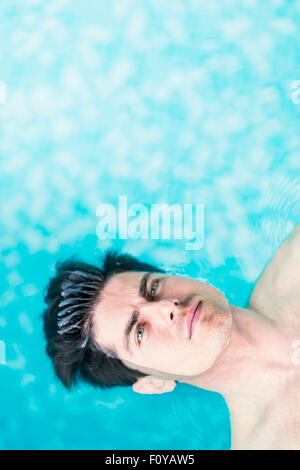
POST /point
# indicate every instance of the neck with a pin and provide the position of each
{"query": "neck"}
(254, 362)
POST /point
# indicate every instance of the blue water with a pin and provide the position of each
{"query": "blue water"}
(175, 102)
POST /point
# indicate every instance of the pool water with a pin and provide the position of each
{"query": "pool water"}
(198, 103)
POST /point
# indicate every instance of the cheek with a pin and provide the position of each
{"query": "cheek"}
(172, 359)
(182, 363)
(184, 288)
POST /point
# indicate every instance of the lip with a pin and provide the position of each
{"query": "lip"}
(193, 315)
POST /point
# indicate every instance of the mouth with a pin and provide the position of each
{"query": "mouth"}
(193, 315)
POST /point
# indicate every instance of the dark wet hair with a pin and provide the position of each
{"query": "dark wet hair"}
(71, 296)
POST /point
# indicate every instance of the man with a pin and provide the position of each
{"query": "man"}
(130, 323)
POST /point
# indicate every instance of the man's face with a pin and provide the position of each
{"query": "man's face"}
(152, 321)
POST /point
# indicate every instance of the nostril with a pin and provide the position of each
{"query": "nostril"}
(171, 316)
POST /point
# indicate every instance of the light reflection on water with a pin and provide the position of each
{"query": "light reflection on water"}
(282, 205)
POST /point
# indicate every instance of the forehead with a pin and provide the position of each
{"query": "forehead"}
(119, 284)
(119, 298)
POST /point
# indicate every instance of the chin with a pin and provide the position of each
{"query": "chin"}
(225, 330)
(221, 330)
(215, 335)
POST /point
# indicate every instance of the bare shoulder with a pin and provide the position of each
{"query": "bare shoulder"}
(277, 291)
(276, 427)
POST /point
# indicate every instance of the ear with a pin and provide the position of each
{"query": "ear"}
(149, 385)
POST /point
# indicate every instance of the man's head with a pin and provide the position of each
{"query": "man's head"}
(130, 323)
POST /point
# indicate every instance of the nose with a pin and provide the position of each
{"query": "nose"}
(164, 312)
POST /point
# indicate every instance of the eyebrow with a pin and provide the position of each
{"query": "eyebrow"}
(135, 315)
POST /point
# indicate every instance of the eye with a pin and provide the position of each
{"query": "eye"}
(139, 332)
(153, 289)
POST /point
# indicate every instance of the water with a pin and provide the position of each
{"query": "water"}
(189, 104)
